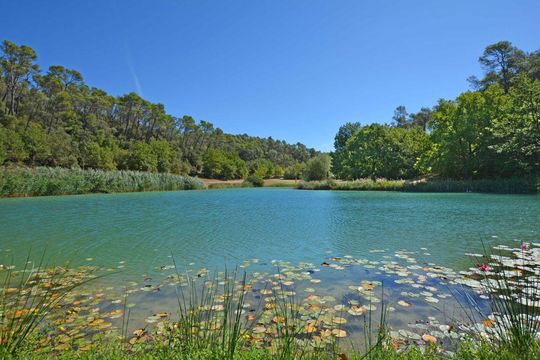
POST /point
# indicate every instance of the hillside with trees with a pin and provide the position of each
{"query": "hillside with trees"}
(53, 118)
(489, 132)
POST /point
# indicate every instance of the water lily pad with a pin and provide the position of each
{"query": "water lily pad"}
(403, 303)
(339, 333)
(429, 339)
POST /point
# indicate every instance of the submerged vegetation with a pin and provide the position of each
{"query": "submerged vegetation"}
(486, 312)
(19, 181)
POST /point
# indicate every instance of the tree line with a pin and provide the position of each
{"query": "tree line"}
(490, 131)
(55, 119)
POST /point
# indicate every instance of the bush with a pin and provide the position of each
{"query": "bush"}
(317, 168)
(255, 181)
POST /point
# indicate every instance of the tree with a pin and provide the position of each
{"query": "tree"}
(17, 66)
(500, 62)
(401, 116)
(55, 119)
(222, 165)
(317, 168)
(421, 118)
(344, 133)
(100, 157)
(382, 151)
(163, 152)
(517, 129)
(3, 147)
(295, 171)
(461, 131)
(142, 158)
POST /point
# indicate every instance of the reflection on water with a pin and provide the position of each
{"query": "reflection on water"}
(222, 227)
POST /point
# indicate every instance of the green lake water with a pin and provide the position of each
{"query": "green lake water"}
(215, 228)
(311, 232)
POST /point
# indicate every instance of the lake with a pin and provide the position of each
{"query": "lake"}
(221, 228)
(338, 254)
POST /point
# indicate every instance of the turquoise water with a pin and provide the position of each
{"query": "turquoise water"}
(140, 231)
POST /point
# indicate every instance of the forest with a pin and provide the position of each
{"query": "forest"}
(489, 132)
(55, 119)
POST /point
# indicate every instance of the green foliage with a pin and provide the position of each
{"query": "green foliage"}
(340, 156)
(56, 119)
(142, 157)
(3, 145)
(500, 186)
(223, 165)
(98, 157)
(255, 180)
(383, 151)
(490, 133)
(357, 185)
(58, 181)
(317, 168)
(294, 172)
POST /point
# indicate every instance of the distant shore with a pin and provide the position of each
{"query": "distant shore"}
(44, 181)
(497, 186)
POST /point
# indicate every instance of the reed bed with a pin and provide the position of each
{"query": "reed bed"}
(499, 186)
(41, 181)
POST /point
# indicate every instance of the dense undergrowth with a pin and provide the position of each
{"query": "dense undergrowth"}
(21, 181)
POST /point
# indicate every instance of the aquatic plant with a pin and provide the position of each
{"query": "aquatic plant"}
(510, 281)
(29, 295)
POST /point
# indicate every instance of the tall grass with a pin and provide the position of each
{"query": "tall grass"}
(501, 186)
(21, 181)
(511, 323)
(359, 185)
(27, 297)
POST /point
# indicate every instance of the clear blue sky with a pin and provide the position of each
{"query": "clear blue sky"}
(293, 70)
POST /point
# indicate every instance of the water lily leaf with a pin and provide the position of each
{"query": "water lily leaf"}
(258, 329)
(310, 328)
(339, 320)
(356, 310)
(429, 339)
(339, 333)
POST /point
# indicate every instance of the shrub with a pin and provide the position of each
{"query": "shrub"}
(255, 180)
(317, 168)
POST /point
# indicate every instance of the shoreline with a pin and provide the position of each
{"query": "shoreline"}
(407, 291)
(18, 182)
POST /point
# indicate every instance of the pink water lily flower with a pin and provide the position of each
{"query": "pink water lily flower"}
(484, 267)
(525, 246)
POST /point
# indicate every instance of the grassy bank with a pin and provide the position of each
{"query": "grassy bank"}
(217, 184)
(40, 181)
(500, 186)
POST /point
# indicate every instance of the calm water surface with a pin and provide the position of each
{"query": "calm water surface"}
(223, 227)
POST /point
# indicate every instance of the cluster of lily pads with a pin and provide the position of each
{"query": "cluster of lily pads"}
(340, 300)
